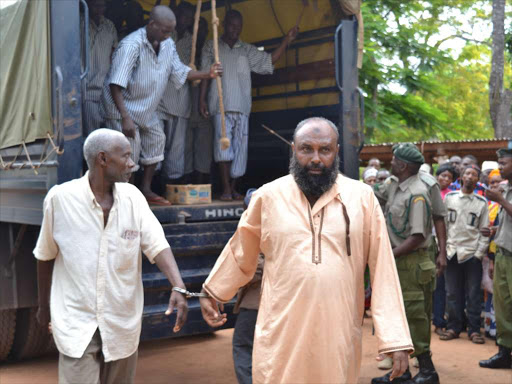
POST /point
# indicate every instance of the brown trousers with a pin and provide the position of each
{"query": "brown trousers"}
(92, 369)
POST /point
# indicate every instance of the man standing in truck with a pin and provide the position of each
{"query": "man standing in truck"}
(239, 60)
(89, 254)
(142, 65)
(102, 42)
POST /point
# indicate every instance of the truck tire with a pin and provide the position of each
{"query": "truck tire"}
(30, 339)
(7, 327)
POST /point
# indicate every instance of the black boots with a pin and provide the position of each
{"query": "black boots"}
(397, 380)
(500, 360)
(427, 373)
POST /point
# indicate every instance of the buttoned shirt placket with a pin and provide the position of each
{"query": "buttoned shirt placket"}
(102, 267)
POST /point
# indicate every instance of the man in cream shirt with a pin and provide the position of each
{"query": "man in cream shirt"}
(89, 254)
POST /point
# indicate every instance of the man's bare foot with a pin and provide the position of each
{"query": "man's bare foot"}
(154, 199)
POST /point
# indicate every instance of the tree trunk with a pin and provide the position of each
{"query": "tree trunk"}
(500, 99)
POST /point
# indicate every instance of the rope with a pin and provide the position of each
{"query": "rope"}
(29, 159)
(9, 165)
(42, 159)
(224, 141)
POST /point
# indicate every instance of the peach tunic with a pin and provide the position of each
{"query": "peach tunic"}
(312, 303)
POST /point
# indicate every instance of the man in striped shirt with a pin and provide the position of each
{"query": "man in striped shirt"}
(239, 59)
(142, 65)
(102, 42)
(174, 109)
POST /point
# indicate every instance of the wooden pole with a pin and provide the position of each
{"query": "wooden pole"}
(194, 35)
(192, 64)
(224, 141)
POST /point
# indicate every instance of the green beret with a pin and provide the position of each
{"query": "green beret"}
(408, 152)
(504, 152)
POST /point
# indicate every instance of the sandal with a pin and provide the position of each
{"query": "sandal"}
(158, 200)
(226, 197)
(439, 331)
(477, 338)
(449, 334)
(237, 196)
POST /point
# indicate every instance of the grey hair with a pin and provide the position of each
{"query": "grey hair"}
(100, 140)
(317, 118)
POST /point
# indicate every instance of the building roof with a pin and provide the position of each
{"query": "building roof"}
(482, 149)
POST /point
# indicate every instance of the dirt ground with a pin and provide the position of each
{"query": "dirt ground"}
(207, 359)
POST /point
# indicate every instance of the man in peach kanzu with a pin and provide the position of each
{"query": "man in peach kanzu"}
(318, 230)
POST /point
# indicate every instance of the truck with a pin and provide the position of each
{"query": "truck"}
(44, 62)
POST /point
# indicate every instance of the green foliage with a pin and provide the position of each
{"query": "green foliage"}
(415, 90)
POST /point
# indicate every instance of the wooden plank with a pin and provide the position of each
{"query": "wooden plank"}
(303, 72)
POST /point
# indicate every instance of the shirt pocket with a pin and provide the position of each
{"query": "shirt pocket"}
(398, 219)
(452, 215)
(473, 219)
(128, 253)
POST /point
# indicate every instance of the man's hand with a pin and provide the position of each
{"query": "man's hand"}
(486, 232)
(441, 263)
(292, 34)
(494, 195)
(43, 317)
(491, 269)
(216, 70)
(400, 364)
(211, 312)
(128, 127)
(203, 109)
(177, 300)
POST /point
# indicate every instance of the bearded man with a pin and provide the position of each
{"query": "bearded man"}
(318, 230)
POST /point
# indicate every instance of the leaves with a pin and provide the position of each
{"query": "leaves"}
(417, 88)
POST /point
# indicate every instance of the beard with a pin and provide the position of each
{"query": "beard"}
(314, 185)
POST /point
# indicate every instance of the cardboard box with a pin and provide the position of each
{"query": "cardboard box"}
(189, 194)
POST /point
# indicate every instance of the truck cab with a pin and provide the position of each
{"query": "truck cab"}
(43, 67)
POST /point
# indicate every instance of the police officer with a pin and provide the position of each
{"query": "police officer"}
(502, 266)
(408, 211)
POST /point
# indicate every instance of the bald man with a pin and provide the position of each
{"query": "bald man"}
(93, 232)
(318, 230)
(142, 66)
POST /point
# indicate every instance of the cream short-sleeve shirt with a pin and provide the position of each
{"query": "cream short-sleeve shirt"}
(96, 280)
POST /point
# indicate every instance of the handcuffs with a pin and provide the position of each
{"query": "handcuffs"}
(189, 294)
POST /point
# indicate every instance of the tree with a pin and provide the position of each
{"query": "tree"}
(416, 88)
(500, 98)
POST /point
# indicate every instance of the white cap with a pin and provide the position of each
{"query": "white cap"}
(486, 165)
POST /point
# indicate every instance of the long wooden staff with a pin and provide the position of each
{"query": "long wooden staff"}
(192, 64)
(224, 141)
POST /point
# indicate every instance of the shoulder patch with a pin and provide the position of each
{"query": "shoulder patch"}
(427, 179)
(417, 199)
(481, 198)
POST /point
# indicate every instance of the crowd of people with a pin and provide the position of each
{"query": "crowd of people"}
(463, 293)
(143, 86)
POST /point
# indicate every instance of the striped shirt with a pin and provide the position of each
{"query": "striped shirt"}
(238, 63)
(176, 102)
(144, 75)
(102, 40)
